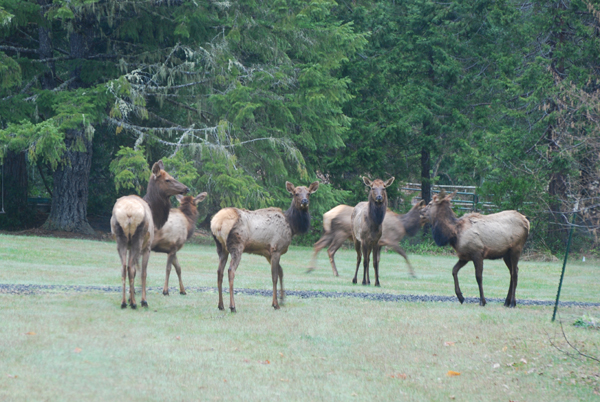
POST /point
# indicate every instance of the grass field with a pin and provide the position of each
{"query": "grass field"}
(59, 345)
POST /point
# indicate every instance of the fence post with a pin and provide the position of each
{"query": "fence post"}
(562, 275)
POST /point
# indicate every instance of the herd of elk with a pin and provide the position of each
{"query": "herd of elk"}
(337, 224)
(477, 237)
(367, 227)
(172, 236)
(134, 221)
(267, 232)
(140, 225)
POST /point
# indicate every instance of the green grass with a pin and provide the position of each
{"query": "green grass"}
(83, 346)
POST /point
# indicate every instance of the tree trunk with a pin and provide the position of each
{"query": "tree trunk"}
(70, 195)
(71, 179)
(425, 176)
(16, 211)
(45, 50)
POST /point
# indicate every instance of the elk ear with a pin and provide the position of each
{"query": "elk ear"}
(434, 198)
(290, 187)
(200, 197)
(157, 167)
(179, 198)
(313, 187)
(389, 182)
(421, 203)
(451, 196)
(367, 182)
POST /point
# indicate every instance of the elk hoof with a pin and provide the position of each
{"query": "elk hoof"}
(123, 305)
(309, 270)
(365, 283)
(165, 292)
(336, 274)
(377, 284)
(482, 302)
(233, 310)
(276, 306)
(144, 303)
(183, 293)
(461, 299)
(354, 280)
(221, 308)
(133, 306)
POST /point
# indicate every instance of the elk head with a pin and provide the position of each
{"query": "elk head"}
(429, 212)
(301, 194)
(189, 200)
(165, 184)
(378, 193)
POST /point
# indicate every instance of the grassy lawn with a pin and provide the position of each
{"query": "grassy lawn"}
(70, 345)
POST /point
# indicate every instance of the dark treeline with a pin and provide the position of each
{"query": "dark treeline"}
(238, 97)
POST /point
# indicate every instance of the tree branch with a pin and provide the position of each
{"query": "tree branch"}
(18, 49)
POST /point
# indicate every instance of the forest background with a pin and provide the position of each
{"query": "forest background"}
(237, 97)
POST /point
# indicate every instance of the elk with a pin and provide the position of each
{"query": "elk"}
(338, 228)
(477, 237)
(172, 236)
(267, 232)
(134, 221)
(367, 227)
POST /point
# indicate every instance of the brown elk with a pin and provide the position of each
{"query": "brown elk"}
(133, 222)
(267, 232)
(173, 235)
(477, 237)
(337, 224)
(367, 227)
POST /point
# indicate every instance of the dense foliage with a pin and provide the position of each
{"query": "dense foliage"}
(239, 97)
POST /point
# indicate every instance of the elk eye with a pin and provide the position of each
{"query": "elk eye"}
(168, 180)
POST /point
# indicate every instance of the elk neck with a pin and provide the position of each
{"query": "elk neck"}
(190, 211)
(444, 226)
(411, 221)
(377, 210)
(160, 205)
(298, 219)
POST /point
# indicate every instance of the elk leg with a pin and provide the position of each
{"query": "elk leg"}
(511, 262)
(178, 270)
(478, 262)
(282, 292)
(223, 255)
(457, 267)
(131, 273)
(145, 259)
(123, 254)
(236, 256)
(358, 258)
(337, 243)
(508, 263)
(168, 273)
(318, 246)
(376, 256)
(274, 275)
(131, 265)
(367, 258)
(400, 251)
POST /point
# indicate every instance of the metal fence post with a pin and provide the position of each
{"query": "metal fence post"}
(562, 275)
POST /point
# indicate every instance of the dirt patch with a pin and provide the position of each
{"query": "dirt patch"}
(539, 256)
(202, 236)
(98, 235)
